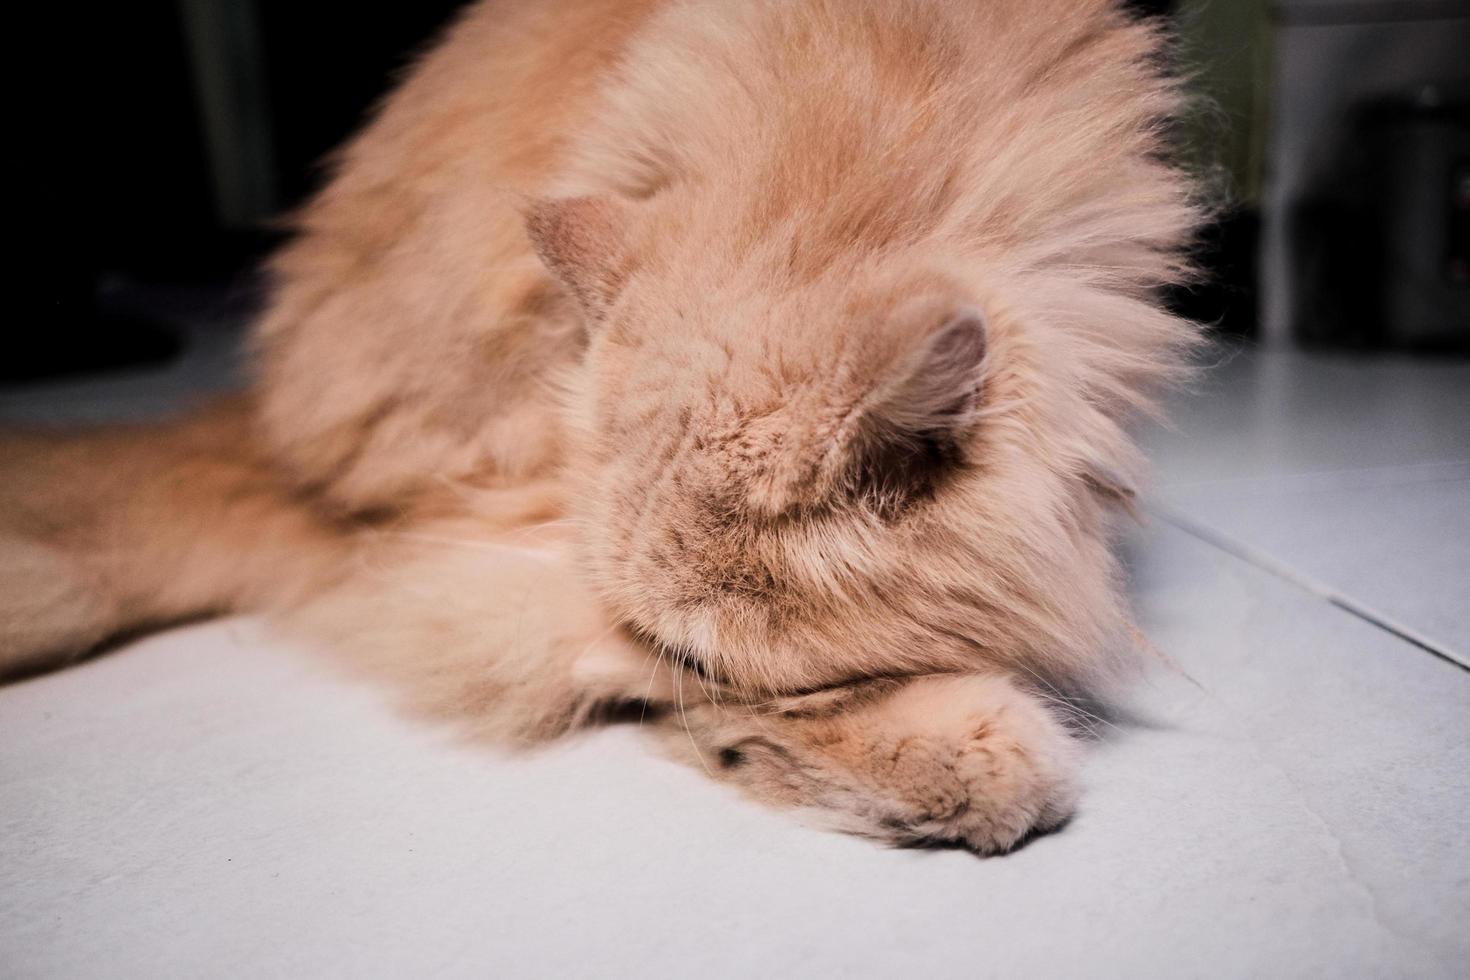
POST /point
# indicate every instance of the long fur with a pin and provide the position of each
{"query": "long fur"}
(766, 363)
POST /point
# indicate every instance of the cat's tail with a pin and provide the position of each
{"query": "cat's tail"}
(108, 531)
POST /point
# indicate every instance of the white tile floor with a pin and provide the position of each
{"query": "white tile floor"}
(1350, 476)
(210, 803)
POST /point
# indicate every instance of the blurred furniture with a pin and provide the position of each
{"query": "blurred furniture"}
(1365, 236)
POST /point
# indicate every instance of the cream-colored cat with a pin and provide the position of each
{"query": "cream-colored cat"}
(765, 362)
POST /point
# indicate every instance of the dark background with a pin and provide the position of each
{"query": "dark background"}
(133, 231)
(198, 124)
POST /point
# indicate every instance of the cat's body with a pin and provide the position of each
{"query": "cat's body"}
(771, 358)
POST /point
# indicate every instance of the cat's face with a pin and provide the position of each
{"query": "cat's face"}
(797, 486)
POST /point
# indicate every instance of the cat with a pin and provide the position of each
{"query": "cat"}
(766, 364)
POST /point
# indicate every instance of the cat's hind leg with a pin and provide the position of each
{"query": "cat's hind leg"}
(111, 530)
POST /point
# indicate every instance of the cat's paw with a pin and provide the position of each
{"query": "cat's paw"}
(973, 761)
(968, 760)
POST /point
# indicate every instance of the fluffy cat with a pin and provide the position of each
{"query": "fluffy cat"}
(767, 363)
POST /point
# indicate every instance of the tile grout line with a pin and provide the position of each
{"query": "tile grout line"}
(1265, 562)
(1347, 478)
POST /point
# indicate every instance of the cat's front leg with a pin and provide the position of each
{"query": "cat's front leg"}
(972, 760)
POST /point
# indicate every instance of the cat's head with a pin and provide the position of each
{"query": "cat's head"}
(794, 475)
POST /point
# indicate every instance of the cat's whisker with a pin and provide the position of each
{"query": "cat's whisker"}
(1061, 700)
(704, 686)
(679, 699)
(599, 638)
(652, 676)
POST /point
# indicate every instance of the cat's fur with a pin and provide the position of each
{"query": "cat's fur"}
(766, 359)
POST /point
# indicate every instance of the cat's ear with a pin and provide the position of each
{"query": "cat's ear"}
(581, 240)
(921, 416)
(936, 389)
